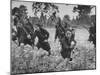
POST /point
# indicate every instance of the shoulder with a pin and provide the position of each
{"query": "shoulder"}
(44, 30)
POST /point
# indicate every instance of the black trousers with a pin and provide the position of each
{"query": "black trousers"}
(66, 52)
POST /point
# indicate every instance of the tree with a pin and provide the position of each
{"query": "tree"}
(84, 13)
(67, 17)
(44, 8)
(66, 21)
(83, 9)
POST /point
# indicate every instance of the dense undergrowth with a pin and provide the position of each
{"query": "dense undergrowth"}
(25, 59)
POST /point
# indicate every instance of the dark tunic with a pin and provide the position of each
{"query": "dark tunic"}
(23, 31)
(92, 36)
(43, 35)
(22, 36)
(66, 47)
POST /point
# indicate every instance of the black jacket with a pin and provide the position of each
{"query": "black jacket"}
(66, 43)
(42, 34)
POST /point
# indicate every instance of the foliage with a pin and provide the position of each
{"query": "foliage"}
(66, 20)
(28, 60)
(83, 9)
(83, 14)
(44, 7)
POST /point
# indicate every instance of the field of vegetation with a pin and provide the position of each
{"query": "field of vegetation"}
(25, 59)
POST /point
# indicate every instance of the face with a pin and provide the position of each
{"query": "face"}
(36, 28)
(68, 34)
(16, 13)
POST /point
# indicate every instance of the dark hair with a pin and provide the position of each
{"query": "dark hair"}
(68, 30)
(14, 10)
(39, 25)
